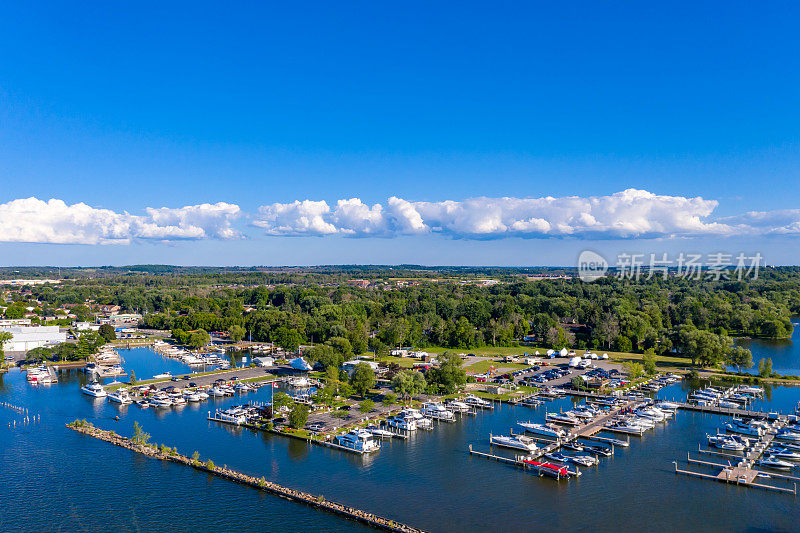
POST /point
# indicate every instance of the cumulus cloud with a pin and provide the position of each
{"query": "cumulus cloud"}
(627, 214)
(36, 221)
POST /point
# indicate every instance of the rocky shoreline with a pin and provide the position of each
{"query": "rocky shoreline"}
(319, 502)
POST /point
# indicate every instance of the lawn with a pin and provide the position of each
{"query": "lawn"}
(481, 367)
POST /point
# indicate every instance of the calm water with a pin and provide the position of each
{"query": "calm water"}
(429, 481)
(785, 354)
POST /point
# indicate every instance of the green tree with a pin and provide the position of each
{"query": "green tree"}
(635, 370)
(362, 379)
(5, 336)
(326, 394)
(407, 383)
(765, 367)
(107, 332)
(298, 416)
(649, 362)
(378, 348)
(236, 333)
(448, 375)
(578, 383)
(287, 338)
(88, 343)
(739, 357)
(367, 406)
(199, 338)
(325, 355)
(280, 400)
(132, 379)
(139, 436)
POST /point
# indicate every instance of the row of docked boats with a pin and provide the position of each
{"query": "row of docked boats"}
(732, 398)
(658, 383)
(145, 396)
(367, 439)
(41, 375)
(239, 414)
(778, 444)
(190, 358)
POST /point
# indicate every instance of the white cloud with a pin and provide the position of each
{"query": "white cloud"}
(298, 218)
(627, 214)
(36, 221)
(778, 222)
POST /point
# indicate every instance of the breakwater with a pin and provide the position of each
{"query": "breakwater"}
(167, 454)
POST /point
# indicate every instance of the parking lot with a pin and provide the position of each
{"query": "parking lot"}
(555, 372)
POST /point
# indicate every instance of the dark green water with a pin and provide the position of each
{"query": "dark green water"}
(56, 480)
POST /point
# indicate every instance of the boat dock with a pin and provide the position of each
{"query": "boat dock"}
(519, 463)
(742, 471)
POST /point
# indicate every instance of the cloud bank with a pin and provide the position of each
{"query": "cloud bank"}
(55, 222)
(628, 214)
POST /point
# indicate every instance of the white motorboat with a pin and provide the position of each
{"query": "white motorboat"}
(774, 462)
(216, 391)
(563, 418)
(164, 375)
(478, 402)
(458, 406)
(358, 440)
(584, 460)
(785, 434)
(94, 389)
(120, 396)
(425, 423)
(637, 421)
(234, 416)
(725, 443)
(786, 455)
(437, 411)
(751, 389)
(191, 396)
(651, 413)
(160, 400)
(582, 412)
(203, 395)
(667, 406)
(378, 432)
(518, 442)
(543, 429)
(744, 429)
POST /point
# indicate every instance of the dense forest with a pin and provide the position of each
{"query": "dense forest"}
(448, 307)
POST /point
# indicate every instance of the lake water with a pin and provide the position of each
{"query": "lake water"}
(56, 480)
(785, 354)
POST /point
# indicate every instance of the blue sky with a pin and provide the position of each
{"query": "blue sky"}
(129, 107)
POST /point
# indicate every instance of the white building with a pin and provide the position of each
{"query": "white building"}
(350, 366)
(264, 361)
(30, 337)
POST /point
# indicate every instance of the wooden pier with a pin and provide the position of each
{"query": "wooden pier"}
(522, 464)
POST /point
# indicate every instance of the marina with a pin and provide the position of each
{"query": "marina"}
(590, 452)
